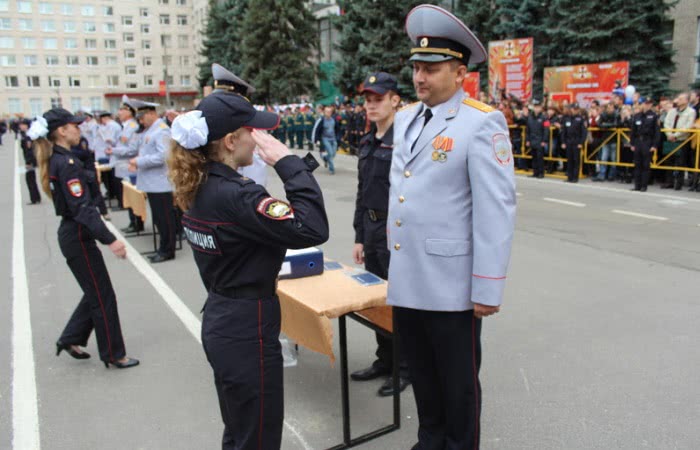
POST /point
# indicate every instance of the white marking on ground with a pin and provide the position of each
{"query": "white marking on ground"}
(672, 202)
(640, 215)
(525, 380)
(564, 202)
(186, 316)
(25, 410)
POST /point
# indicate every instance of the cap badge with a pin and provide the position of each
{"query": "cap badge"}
(372, 79)
(424, 42)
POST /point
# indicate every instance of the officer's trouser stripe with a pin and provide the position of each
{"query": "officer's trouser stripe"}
(97, 290)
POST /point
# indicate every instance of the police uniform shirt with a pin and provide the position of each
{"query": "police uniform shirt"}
(152, 174)
(415, 128)
(126, 148)
(537, 129)
(645, 130)
(573, 130)
(239, 233)
(69, 183)
(373, 167)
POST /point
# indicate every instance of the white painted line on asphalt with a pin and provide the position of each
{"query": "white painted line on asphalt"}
(640, 215)
(564, 202)
(25, 410)
(186, 316)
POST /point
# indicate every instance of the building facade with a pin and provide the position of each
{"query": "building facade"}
(79, 54)
(686, 44)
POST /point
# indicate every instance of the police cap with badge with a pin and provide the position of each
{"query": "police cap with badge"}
(140, 107)
(50, 121)
(380, 83)
(226, 80)
(440, 36)
(127, 105)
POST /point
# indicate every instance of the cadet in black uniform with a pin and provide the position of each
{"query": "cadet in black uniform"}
(29, 162)
(63, 179)
(371, 205)
(537, 138)
(645, 137)
(573, 135)
(239, 235)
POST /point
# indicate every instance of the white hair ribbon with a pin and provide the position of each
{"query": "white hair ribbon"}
(190, 130)
(38, 129)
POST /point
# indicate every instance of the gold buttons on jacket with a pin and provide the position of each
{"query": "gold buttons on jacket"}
(407, 173)
(401, 199)
(398, 223)
(397, 246)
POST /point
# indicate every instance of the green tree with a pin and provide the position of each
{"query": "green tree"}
(222, 37)
(481, 17)
(279, 40)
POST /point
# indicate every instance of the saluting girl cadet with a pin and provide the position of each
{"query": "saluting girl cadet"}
(239, 235)
(63, 179)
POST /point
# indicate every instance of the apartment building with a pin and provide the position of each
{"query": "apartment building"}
(81, 54)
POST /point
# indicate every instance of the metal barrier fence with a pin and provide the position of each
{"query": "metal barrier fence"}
(665, 158)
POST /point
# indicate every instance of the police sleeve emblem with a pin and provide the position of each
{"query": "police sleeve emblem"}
(275, 209)
(75, 187)
(502, 149)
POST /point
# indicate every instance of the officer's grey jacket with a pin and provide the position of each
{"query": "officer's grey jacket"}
(126, 148)
(451, 208)
(152, 174)
(106, 136)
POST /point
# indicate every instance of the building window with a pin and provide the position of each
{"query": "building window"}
(69, 27)
(33, 81)
(75, 103)
(110, 60)
(146, 45)
(96, 103)
(5, 24)
(35, 107)
(89, 27)
(147, 61)
(130, 70)
(8, 60)
(107, 11)
(11, 81)
(169, 80)
(163, 2)
(132, 85)
(4, 5)
(56, 102)
(93, 81)
(92, 60)
(72, 61)
(70, 43)
(108, 27)
(110, 43)
(181, 2)
(145, 28)
(164, 19)
(8, 42)
(66, 9)
(143, 12)
(14, 105)
(52, 60)
(129, 54)
(87, 10)
(165, 40)
(112, 81)
(25, 24)
(185, 80)
(50, 43)
(182, 20)
(31, 60)
(24, 7)
(48, 26)
(128, 37)
(148, 80)
(127, 21)
(91, 44)
(183, 41)
(74, 81)
(28, 43)
(45, 8)
(54, 82)
(184, 60)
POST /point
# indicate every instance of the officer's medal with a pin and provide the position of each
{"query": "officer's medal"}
(442, 145)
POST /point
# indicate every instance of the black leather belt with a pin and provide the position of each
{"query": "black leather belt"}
(247, 291)
(375, 215)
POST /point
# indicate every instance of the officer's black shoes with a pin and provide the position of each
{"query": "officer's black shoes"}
(132, 229)
(158, 258)
(370, 373)
(60, 346)
(130, 362)
(644, 189)
(387, 388)
(636, 189)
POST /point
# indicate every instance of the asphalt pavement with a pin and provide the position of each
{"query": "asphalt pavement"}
(596, 346)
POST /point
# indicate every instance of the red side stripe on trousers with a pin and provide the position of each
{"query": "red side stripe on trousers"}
(262, 375)
(97, 289)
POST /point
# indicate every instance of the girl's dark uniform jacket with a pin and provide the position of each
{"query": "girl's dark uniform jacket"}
(239, 233)
(71, 186)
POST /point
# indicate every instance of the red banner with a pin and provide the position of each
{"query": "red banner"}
(161, 88)
(585, 83)
(471, 83)
(511, 68)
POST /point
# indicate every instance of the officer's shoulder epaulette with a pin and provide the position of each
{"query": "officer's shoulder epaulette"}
(163, 125)
(483, 107)
(409, 107)
(133, 125)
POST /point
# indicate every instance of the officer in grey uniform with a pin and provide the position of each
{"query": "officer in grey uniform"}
(152, 176)
(450, 227)
(109, 132)
(225, 80)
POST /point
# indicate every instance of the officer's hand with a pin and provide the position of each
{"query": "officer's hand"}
(485, 310)
(108, 151)
(269, 149)
(118, 248)
(527, 143)
(580, 146)
(543, 144)
(132, 165)
(358, 254)
(563, 145)
(653, 149)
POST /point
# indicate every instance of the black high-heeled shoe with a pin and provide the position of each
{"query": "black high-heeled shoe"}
(60, 346)
(130, 362)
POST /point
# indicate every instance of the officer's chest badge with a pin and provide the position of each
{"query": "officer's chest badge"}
(442, 145)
